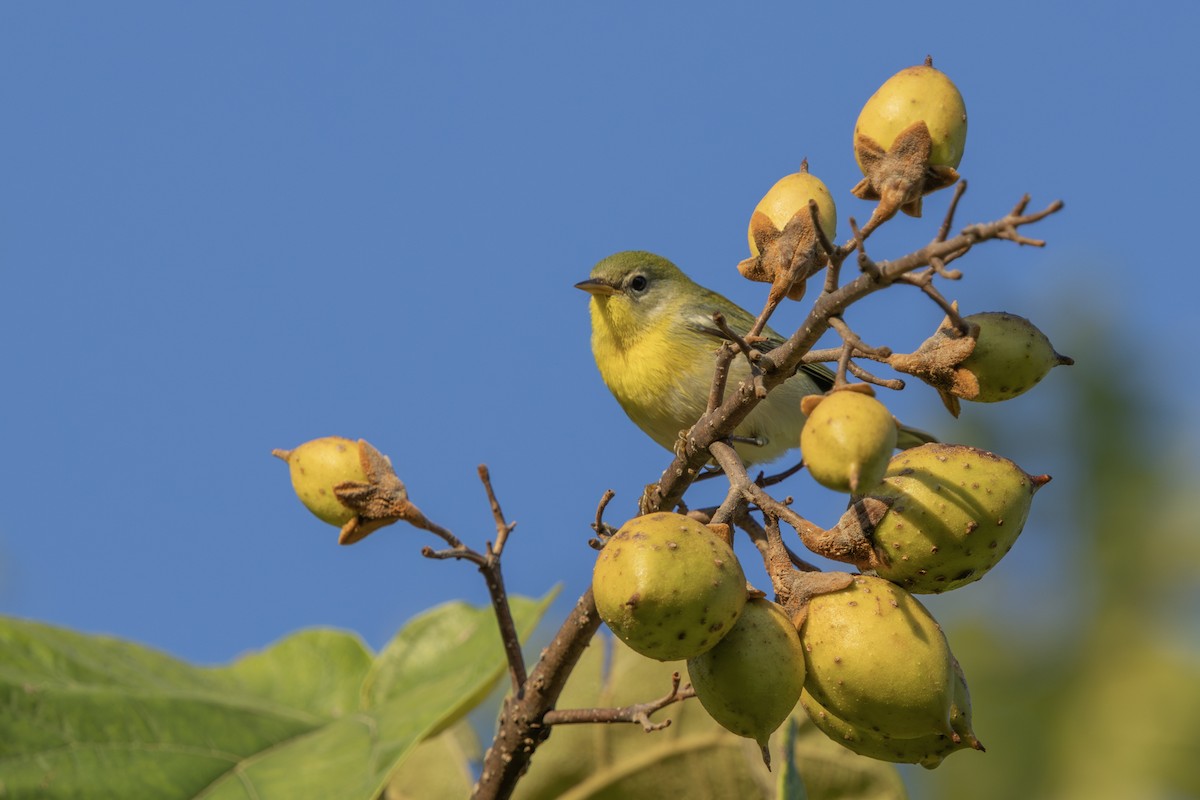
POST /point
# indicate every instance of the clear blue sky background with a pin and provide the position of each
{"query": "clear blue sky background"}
(228, 227)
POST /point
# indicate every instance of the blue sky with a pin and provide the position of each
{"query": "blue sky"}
(232, 227)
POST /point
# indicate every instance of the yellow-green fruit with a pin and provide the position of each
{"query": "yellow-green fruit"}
(316, 467)
(955, 511)
(668, 586)
(913, 95)
(750, 681)
(789, 195)
(1011, 355)
(928, 750)
(847, 441)
(878, 660)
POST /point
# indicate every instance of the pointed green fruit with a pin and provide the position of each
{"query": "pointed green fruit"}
(928, 750)
(750, 681)
(319, 465)
(668, 586)
(847, 439)
(878, 660)
(1010, 357)
(954, 512)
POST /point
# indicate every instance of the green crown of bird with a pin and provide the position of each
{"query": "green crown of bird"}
(655, 343)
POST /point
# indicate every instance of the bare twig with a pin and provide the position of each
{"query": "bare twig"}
(716, 393)
(503, 529)
(959, 189)
(734, 336)
(489, 566)
(638, 713)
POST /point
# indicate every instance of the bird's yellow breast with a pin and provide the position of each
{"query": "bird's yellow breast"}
(653, 367)
(660, 370)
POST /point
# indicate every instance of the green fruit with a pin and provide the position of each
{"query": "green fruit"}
(319, 465)
(788, 197)
(668, 586)
(878, 660)
(1011, 355)
(928, 750)
(912, 95)
(750, 681)
(847, 441)
(955, 511)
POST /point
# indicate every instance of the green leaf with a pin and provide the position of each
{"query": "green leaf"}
(311, 716)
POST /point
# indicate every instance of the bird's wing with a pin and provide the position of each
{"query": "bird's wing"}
(740, 321)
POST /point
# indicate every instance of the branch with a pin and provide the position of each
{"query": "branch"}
(782, 362)
(521, 727)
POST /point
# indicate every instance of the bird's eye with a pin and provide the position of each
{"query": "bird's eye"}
(638, 283)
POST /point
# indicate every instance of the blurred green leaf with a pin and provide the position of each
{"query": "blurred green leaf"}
(439, 768)
(311, 716)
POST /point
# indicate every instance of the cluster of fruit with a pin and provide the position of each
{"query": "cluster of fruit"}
(866, 660)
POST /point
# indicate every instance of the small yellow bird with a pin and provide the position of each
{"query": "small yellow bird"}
(655, 343)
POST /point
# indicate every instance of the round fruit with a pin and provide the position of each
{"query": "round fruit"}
(668, 586)
(878, 660)
(847, 441)
(788, 197)
(916, 94)
(750, 681)
(954, 512)
(319, 465)
(1011, 355)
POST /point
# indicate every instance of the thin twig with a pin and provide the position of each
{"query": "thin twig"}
(734, 336)
(503, 529)
(959, 189)
(638, 713)
(867, 377)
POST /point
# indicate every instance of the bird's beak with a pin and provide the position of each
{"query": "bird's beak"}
(597, 287)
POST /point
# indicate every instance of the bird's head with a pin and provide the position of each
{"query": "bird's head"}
(632, 291)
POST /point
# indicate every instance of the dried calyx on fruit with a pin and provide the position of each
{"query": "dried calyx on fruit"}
(877, 659)
(668, 586)
(908, 140)
(750, 681)
(784, 245)
(848, 438)
(997, 357)
(945, 515)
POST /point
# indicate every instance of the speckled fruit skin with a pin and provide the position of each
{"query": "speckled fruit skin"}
(847, 441)
(1011, 356)
(929, 750)
(750, 681)
(319, 465)
(790, 194)
(668, 587)
(912, 95)
(878, 660)
(955, 512)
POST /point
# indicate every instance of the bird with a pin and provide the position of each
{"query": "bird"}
(655, 343)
